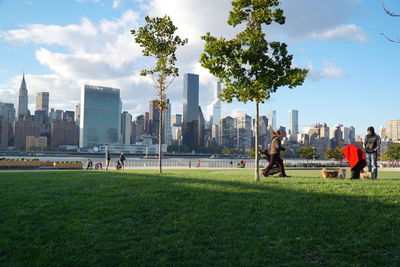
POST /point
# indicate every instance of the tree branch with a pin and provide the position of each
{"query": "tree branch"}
(390, 13)
(391, 40)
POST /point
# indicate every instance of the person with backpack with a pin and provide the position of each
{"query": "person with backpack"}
(372, 145)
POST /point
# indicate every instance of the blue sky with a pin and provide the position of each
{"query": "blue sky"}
(64, 44)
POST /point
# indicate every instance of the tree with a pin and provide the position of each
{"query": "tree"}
(393, 152)
(392, 14)
(307, 152)
(251, 67)
(158, 40)
(334, 153)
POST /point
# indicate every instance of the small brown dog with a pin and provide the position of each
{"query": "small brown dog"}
(365, 175)
(329, 174)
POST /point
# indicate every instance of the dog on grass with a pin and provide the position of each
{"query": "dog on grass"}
(329, 174)
(365, 175)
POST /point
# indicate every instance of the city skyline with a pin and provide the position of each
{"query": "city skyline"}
(338, 48)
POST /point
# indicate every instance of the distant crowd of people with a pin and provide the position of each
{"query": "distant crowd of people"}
(119, 164)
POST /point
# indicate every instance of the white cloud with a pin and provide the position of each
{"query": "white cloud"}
(116, 3)
(345, 32)
(329, 71)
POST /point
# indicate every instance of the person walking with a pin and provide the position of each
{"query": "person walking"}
(122, 159)
(108, 158)
(275, 158)
(372, 145)
(356, 159)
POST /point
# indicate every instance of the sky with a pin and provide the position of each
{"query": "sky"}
(62, 45)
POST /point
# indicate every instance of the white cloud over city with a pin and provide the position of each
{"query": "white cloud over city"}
(104, 53)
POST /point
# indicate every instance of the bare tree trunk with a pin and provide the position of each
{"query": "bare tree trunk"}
(257, 163)
(160, 131)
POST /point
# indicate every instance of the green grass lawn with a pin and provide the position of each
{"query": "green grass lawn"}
(197, 217)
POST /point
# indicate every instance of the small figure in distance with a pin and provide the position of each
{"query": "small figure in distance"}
(89, 165)
(122, 159)
(372, 145)
(108, 158)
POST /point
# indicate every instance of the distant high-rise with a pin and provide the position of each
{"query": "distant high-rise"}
(7, 110)
(393, 130)
(176, 120)
(244, 133)
(64, 132)
(101, 110)
(3, 132)
(42, 102)
(293, 122)
(216, 106)
(190, 128)
(23, 127)
(201, 127)
(272, 119)
(167, 130)
(126, 127)
(227, 133)
(77, 114)
(154, 117)
(22, 101)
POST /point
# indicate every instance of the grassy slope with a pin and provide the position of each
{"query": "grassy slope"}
(199, 217)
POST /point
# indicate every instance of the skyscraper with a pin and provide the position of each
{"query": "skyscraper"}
(167, 130)
(100, 116)
(190, 128)
(201, 125)
(154, 117)
(7, 110)
(42, 102)
(244, 133)
(216, 106)
(77, 114)
(227, 133)
(293, 122)
(393, 130)
(272, 119)
(3, 132)
(126, 127)
(22, 101)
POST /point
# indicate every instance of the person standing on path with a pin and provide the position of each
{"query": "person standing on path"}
(275, 158)
(372, 145)
(108, 158)
(122, 159)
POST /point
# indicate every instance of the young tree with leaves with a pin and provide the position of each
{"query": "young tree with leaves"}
(158, 40)
(250, 66)
(307, 152)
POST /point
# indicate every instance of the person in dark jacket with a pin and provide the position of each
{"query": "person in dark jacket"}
(122, 159)
(356, 158)
(108, 158)
(372, 145)
(275, 158)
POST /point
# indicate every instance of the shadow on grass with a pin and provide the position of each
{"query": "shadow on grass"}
(181, 218)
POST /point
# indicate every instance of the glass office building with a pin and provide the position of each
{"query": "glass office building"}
(100, 121)
(190, 127)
